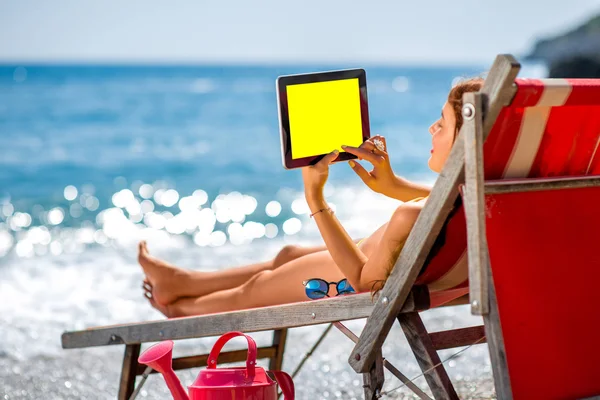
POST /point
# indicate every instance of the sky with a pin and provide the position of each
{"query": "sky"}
(280, 31)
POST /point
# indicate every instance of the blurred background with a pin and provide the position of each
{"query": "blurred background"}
(130, 120)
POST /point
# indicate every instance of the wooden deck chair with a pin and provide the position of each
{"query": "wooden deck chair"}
(277, 319)
(532, 203)
(438, 241)
(442, 283)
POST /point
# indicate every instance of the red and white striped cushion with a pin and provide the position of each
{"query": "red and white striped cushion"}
(551, 129)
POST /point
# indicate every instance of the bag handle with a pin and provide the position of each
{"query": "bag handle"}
(250, 360)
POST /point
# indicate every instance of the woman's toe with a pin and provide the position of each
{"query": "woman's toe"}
(142, 249)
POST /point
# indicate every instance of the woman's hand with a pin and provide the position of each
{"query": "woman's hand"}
(381, 179)
(316, 175)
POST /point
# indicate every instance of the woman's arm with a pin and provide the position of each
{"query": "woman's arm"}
(404, 190)
(344, 251)
(360, 272)
(381, 262)
(363, 272)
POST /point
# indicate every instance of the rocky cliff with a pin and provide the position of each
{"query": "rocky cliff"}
(574, 54)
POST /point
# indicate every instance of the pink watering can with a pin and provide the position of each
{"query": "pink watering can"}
(250, 382)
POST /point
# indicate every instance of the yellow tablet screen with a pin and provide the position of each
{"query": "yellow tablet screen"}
(323, 116)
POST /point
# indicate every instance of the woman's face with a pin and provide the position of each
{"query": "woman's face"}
(442, 138)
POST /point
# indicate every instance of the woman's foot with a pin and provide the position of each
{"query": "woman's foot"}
(166, 310)
(164, 282)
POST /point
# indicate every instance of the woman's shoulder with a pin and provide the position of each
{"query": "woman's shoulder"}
(410, 209)
(405, 217)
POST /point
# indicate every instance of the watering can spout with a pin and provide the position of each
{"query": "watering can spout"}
(160, 358)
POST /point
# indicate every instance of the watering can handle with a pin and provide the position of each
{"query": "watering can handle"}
(216, 350)
(286, 384)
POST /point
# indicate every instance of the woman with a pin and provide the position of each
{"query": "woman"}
(366, 264)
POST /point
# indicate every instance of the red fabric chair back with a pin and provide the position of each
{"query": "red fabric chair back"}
(543, 245)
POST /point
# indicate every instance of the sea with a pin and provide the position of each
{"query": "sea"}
(95, 158)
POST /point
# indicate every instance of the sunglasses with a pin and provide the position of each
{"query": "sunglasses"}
(317, 288)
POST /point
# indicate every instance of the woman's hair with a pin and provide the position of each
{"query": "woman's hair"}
(455, 100)
(456, 94)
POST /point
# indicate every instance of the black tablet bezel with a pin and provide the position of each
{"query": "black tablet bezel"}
(284, 122)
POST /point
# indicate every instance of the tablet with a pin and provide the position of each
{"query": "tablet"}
(319, 112)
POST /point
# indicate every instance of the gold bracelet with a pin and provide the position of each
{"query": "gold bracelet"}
(321, 210)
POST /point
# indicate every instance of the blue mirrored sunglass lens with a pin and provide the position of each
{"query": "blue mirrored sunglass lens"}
(344, 286)
(316, 289)
(315, 294)
(316, 284)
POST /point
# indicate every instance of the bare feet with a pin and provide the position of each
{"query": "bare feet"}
(164, 282)
(167, 310)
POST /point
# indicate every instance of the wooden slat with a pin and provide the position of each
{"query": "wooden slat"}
(427, 356)
(315, 312)
(539, 184)
(457, 337)
(474, 202)
(498, 90)
(224, 358)
(279, 338)
(390, 367)
(374, 379)
(128, 371)
(493, 333)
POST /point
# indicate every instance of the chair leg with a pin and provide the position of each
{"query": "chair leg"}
(279, 339)
(373, 381)
(427, 356)
(128, 372)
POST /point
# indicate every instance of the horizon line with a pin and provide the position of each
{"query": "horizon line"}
(248, 63)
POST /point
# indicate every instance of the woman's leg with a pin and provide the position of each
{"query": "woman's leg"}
(169, 283)
(268, 287)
